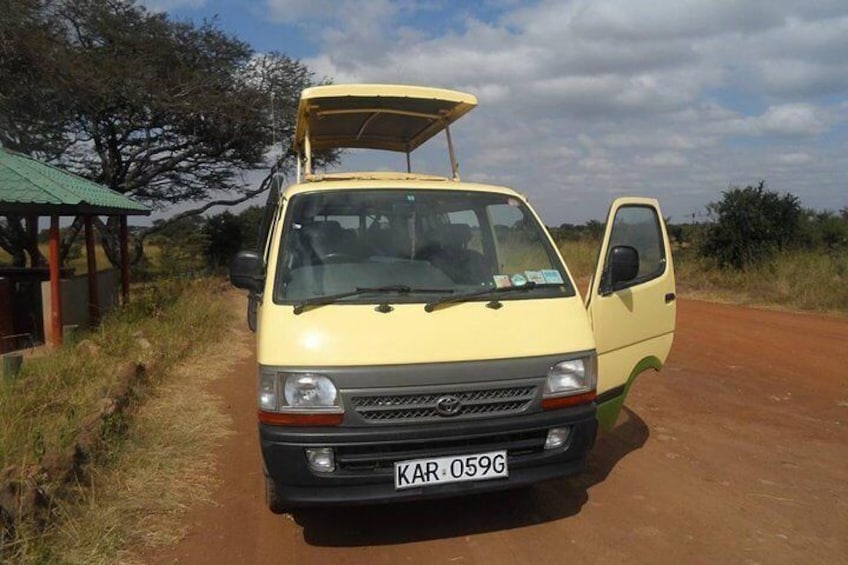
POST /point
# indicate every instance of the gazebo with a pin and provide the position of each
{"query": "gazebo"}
(31, 189)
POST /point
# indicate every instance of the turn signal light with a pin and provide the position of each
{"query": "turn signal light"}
(294, 419)
(563, 401)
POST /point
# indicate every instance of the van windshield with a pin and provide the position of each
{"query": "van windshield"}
(428, 243)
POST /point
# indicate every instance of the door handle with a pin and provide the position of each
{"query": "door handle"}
(669, 298)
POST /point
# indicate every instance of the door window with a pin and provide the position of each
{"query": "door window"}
(639, 227)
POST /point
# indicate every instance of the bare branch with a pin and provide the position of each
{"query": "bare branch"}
(263, 187)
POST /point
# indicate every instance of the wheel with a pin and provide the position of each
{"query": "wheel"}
(272, 498)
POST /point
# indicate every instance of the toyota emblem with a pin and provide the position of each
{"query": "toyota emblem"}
(448, 406)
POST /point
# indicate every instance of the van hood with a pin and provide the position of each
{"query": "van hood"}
(357, 334)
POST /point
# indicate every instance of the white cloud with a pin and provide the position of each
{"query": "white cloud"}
(793, 159)
(793, 119)
(664, 159)
(634, 21)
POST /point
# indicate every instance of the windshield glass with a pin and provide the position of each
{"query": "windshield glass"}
(432, 241)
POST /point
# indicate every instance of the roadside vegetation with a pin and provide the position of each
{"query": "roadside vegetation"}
(55, 398)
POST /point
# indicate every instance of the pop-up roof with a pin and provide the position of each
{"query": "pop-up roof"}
(392, 117)
(376, 116)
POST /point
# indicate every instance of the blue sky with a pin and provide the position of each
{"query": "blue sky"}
(584, 100)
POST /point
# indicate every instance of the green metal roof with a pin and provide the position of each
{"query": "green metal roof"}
(28, 186)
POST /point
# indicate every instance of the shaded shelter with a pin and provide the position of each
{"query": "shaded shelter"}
(30, 189)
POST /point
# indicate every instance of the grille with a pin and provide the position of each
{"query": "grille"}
(421, 407)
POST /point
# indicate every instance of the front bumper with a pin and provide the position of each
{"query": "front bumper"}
(365, 456)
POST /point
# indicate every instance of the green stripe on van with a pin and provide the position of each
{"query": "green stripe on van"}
(608, 411)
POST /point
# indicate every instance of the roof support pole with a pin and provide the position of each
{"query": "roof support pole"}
(454, 164)
(408, 163)
(307, 149)
(125, 261)
(299, 166)
(55, 285)
(93, 301)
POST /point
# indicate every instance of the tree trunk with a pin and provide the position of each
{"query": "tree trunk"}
(70, 236)
(36, 259)
(110, 234)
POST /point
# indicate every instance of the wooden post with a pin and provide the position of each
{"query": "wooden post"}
(125, 261)
(93, 300)
(55, 285)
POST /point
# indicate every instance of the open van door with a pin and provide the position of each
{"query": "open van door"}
(631, 301)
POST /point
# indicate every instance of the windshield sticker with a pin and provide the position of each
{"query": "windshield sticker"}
(535, 277)
(518, 279)
(502, 281)
(513, 202)
(552, 276)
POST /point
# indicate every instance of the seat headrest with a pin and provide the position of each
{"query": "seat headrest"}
(327, 230)
(453, 235)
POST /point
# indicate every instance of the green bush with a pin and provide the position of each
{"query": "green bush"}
(751, 225)
(826, 231)
(224, 238)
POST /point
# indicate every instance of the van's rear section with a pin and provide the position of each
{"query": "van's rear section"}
(419, 336)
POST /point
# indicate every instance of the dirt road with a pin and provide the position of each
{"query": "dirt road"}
(736, 453)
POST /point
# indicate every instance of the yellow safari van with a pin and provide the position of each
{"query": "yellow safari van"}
(419, 336)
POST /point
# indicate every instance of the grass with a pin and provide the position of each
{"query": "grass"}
(814, 281)
(78, 263)
(41, 410)
(165, 464)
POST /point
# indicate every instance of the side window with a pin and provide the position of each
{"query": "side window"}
(639, 227)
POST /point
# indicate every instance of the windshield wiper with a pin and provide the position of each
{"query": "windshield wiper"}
(331, 298)
(494, 292)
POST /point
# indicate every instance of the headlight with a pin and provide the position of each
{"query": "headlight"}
(299, 399)
(570, 382)
(571, 377)
(310, 391)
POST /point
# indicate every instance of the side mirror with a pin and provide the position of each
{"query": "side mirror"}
(246, 271)
(623, 265)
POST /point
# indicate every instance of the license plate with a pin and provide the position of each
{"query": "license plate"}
(453, 469)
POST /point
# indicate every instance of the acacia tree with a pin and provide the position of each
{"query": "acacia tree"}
(32, 118)
(165, 112)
